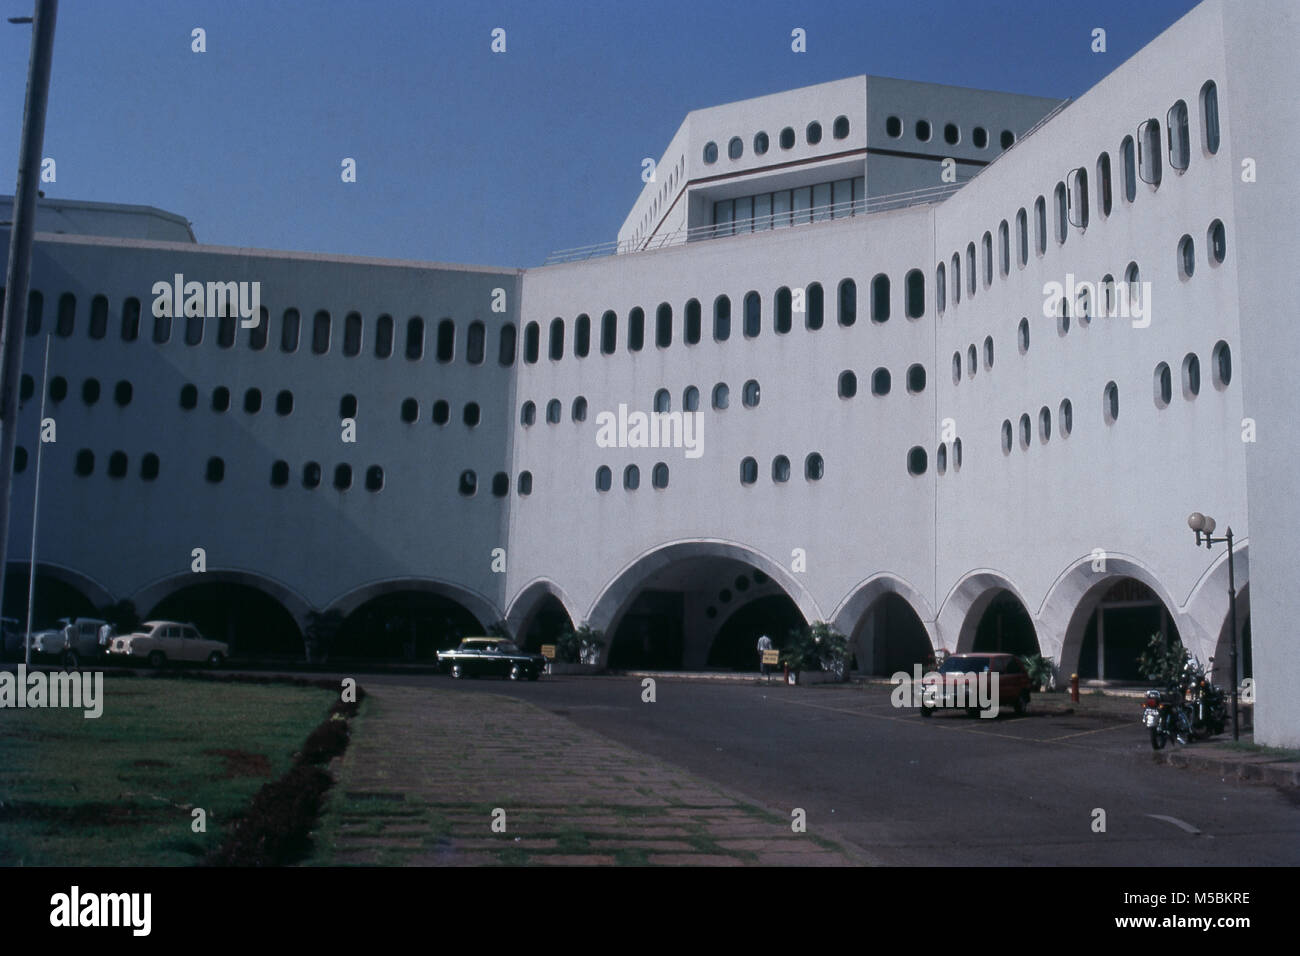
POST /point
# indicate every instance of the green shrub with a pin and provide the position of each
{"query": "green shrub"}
(582, 646)
(819, 647)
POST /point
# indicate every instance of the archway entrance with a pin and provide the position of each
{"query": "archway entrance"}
(54, 599)
(544, 625)
(405, 625)
(736, 645)
(889, 637)
(252, 622)
(675, 614)
(1120, 629)
(1005, 627)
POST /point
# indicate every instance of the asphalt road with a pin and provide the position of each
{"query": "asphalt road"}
(906, 790)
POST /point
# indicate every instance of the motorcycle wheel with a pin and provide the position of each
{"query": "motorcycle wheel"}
(1159, 737)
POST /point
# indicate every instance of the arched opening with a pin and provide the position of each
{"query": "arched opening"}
(251, 621)
(735, 647)
(889, 637)
(669, 609)
(410, 625)
(544, 624)
(1005, 627)
(55, 597)
(1122, 622)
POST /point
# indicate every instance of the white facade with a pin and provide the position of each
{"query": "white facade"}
(1057, 521)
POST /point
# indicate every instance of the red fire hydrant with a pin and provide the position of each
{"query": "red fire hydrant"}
(1074, 688)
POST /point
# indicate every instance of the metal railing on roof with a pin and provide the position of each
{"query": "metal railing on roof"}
(781, 220)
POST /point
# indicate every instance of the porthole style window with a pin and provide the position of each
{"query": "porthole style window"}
(848, 385)
(1163, 385)
(631, 478)
(760, 143)
(1221, 359)
(735, 148)
(468, 483)
(1217, 242)
(749, 396)
(710, 153)
(659, 476)
(1110, 403)
(840, 128)
(603, 478)
(1065, 415)
(1186, 257)
(1191, 376)
(748, 471)
(917, 461)
(814, 467)
(780, 469)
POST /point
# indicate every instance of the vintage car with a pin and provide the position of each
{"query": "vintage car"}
(478, 656)
(161, 641)
(966, 680)
(73, 641)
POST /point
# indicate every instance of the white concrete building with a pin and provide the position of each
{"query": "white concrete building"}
(856, 291)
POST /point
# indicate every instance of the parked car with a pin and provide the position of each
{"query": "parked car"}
(942, 690)
(479, 656)
(72, 642)
(161, 641)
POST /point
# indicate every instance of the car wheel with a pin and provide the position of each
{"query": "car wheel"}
(457, 671)
(516, 672)
(70, 660)
(157, 659)
(215, 659)
(1022, 703)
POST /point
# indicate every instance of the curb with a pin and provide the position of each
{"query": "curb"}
(1244, 769)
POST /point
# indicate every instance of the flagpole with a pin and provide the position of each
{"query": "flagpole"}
(36, 503)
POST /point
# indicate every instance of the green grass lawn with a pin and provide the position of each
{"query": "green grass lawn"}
(120, 790)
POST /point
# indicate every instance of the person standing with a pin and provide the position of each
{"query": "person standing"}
(764, 644)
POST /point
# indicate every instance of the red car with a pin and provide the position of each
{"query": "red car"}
(967, 680)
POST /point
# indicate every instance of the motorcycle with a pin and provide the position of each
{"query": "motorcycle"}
(1166, 714)
(1208, 702)
(1189, 709)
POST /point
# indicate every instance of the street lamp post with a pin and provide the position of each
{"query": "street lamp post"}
(1204, 527)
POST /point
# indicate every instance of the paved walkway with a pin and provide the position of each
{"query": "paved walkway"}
(427, 773)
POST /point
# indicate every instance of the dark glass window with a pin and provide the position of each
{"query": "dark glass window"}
(636, 330)
(384, 336)
(414, 338)
(608, 333)
(816, 307)
(98, 317)
(289, 331)
(342, 477)
(352, 334)
(721, 318)
(253, 401)
(130, 320)
(189, 397)
(692, 331)
(149, 467)
(446, 340)
(582, 336)
(67, 317)
(532, 342)
(374, 478)
(506, 348)
(215, 470)
(284, 402)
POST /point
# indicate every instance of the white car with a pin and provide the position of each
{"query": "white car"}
(161, 641)
(72, 641)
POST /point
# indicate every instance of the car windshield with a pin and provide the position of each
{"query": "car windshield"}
(964, 665)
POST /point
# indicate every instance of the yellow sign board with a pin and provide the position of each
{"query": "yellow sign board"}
(772, 657)
(548, 651)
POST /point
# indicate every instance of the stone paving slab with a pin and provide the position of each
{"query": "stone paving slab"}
(427, 776)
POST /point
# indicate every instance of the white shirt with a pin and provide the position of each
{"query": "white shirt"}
(764, 643)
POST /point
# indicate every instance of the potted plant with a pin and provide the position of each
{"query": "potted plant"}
(816, 648)
(1041, 673)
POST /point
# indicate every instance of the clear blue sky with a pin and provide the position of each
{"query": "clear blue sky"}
(462, 155)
